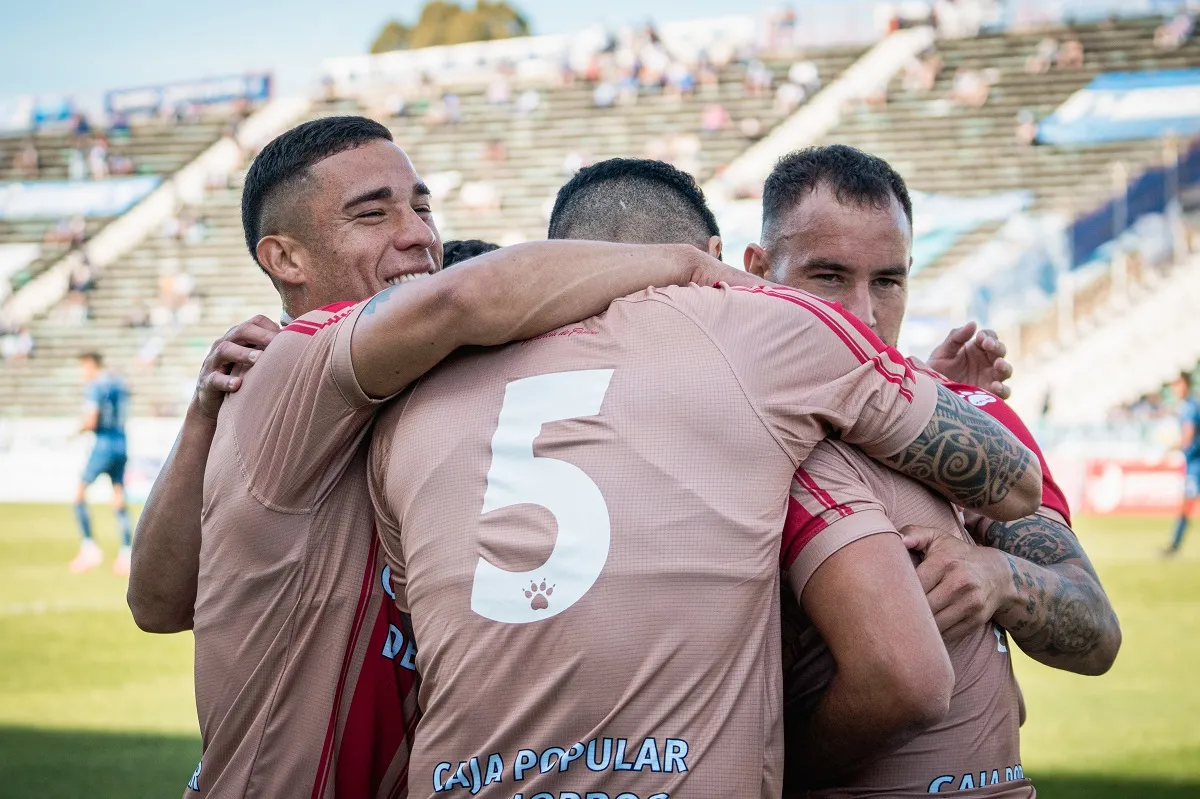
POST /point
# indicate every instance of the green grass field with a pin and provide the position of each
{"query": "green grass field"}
(90, 706)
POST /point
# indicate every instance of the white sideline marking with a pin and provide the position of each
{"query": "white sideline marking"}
(38, 608)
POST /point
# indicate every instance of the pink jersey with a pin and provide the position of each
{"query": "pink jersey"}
(304, 670)
(840, 496)
(586, 527)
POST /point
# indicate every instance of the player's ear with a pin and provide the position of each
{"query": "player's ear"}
(756, 261)
(282, 257)
(714, 247)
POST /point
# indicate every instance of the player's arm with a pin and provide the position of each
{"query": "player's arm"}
(91, 411)
(1054, 606)
(893, 679)
(1187, 435)
(165, 560)
(511, 294)
(972, 460)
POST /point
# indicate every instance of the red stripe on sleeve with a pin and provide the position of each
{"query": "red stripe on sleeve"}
(799, 528)
(820, 494)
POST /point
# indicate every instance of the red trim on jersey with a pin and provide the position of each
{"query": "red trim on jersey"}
(340, 311)
(360, 613)
(820, 494)
(799, 528)
(1052, 496)
(930, 372)
(802, 299)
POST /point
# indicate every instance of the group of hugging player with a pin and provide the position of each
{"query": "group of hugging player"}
(600, 517)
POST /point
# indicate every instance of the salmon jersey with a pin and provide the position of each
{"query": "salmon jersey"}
(586, 527)
(839, 496)
(303, 667)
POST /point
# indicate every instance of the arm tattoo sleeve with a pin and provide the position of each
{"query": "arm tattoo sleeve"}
(1063, 617)
(965, 454)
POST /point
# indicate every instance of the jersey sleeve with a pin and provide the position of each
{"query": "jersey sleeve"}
(831, 505)
(1053, 497)
(301, 412)
(811, 370)
(91, 396)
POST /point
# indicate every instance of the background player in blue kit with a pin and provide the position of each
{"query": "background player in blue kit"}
(1189, 421)
(106, 404)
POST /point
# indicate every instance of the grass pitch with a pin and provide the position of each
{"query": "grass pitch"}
(90, 706)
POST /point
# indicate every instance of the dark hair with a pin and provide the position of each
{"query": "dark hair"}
(633, 200)
(854, 176)
(285, 161)
(455, 252)
(94, 357)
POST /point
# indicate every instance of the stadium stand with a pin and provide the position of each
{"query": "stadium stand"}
(223, 286)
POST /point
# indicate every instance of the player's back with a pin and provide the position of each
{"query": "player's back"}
(976, 748)
(110, 396)
(586, 527)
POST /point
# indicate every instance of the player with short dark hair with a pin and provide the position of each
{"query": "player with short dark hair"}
(464, 250)
(105, 408)
(258, 534)
(1189, 445)
(843, 232)
(607, 202)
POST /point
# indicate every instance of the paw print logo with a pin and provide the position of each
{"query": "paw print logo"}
(536, 593)
(978, 398)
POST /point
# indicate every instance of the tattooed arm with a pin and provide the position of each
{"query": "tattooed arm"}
(1056, 609)
(972, 460)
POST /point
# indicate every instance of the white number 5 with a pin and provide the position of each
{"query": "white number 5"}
(518, 477)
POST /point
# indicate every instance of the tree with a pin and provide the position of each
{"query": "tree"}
(445, 22)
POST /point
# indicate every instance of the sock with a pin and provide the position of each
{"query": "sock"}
(123, 526)
(1180, 528)
(85, 523)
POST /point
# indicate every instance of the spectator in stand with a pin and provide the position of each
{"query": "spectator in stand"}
(1070, 55)
(529, 101)
(17, 346)
(1176, 32)
(480, 195)
(1043, 57)
(970, 88)
(759, 78)
(25, 162)
(604, 95)
(80, 126)
(121, 164)
(495, 152)
(788, 97)
(76, 163)
(574, 161)
(1026, 127)
(921, 73)
(751, 128)
(714, 119)
(98, 158)
(67, 231)
(806, 75)
(707, 77)
(118, 127)
(499, 90)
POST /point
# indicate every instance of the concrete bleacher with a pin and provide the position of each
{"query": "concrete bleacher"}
(942, 147)
(233, 288)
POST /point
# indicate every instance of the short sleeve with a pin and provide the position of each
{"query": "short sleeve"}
(1053, 497)
(301, 413)
(91, 396)
(831, 505)
(812, 370)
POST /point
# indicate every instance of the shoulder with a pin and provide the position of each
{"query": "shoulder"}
(314, 322)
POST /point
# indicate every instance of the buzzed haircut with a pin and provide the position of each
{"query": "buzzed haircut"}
(455, 252)
(854, 177)
(634, 201)
(271, 182)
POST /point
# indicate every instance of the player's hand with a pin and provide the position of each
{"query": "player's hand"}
(240, 347)
(964, 583)
(976, 359)
(708, 271)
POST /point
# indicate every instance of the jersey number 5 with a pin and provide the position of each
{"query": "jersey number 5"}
(518, 477)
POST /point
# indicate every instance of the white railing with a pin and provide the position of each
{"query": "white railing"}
(128, 230)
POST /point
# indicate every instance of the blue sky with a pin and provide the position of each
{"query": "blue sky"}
(85, 48)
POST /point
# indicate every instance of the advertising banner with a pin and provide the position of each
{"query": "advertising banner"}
(1132, 487)
(152, 99)
(58, 199)
(1118, 106)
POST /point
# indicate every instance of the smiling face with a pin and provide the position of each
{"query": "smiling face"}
(856, 255)
(363, 221)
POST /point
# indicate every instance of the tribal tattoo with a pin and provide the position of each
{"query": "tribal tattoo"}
(965, 452)
(1063, 616)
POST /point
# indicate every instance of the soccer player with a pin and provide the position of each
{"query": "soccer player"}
(303, 670)
(594, 597)
(836, 222)
(105, 406)
(1189, 444)
(464, 250)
